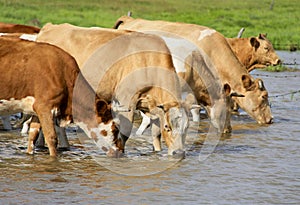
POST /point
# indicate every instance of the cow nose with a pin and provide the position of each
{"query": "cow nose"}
(270, 121)
(114, 153)
(178, 154)
(278, 61)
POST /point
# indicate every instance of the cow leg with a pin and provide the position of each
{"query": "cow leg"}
(40, 141)
(6, 122)
(46, 119)
(145, 123)
(26, 126)
(195, 114)
(63, 143)
(34, 130)
(235, 108)
(156, 135)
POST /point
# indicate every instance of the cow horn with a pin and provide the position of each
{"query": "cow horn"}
(235, 94)
(261, 85)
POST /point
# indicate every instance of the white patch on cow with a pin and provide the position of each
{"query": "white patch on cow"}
(12, 106)
(106, 141)
(29, 37)
(25, 127)
(205, 33)
(180, 49)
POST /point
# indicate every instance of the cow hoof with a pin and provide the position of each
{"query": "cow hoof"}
(63, 149)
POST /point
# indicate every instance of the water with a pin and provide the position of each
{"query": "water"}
(255, 164)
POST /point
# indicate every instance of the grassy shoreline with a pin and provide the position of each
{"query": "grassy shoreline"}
(280, 19)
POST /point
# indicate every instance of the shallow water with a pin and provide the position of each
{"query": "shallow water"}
(255, 164)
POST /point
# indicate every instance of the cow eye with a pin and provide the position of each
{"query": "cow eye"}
(266, 48)
(167, 128)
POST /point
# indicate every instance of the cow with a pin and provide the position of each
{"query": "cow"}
(18, 28)
(138, 75)
(254, 52)
(45, 81)
(220, 58)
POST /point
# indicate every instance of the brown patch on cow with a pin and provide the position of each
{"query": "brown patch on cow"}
(94, 136)
(103, 111)
(103, 133)
(118, 141)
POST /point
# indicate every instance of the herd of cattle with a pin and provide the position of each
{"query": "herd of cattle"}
(99, 77)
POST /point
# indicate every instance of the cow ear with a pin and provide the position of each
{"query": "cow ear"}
(254, 42)
(227, 89)
(102, 107)
(261, 85)
(262, 36)
(247, 82)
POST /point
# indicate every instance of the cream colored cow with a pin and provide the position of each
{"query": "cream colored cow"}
(128, 67)
(220, 58)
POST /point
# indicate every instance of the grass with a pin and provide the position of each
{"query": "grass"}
(281, 20)
(280, 68)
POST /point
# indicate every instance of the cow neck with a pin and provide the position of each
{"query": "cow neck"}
(224, 61)
(84, 103)
(242, 52)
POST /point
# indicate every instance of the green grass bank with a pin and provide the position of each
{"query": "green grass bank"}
(280, 19)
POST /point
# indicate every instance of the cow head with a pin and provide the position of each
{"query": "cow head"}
(255, 102)
(220, 112)
(175, 124)
(106, 134)
(263, 51)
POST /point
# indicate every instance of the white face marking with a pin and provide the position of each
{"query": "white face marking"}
(205, 33)
(96, 134)
(12, 106)
(180, 49)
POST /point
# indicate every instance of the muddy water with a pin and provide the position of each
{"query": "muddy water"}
(255, 164)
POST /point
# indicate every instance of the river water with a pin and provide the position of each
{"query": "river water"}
(255, 164)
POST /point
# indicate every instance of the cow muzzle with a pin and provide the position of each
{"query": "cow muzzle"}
(277, 62)
(178, 154)
(113, 153)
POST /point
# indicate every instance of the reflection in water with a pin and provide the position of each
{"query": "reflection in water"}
(255, 164)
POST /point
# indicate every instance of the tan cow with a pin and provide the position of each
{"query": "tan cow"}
(120, 65)
(254, 52)
(220, 58)
(44, 80)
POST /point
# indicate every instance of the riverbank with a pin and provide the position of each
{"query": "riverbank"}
(280, 19)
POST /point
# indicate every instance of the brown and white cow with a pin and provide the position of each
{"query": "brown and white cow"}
(18, 28)
(254, 52)
(130, 67)
(221, 60)
(44, 80)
